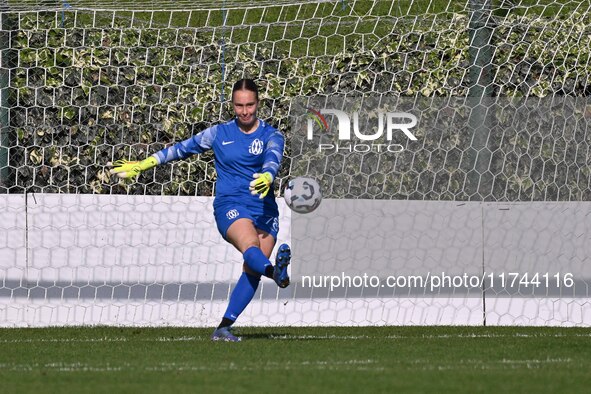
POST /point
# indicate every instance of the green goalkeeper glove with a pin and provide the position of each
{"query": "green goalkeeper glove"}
(261, 184)
(131, 169)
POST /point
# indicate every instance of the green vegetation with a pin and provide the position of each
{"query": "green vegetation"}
(89, 87)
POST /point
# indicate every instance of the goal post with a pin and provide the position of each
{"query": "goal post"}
(450, 138)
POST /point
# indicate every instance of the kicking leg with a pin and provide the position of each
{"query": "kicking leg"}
(279, 273)
(255, 245)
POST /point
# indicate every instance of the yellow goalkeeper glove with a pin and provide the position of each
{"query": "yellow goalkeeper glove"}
(131, 169)
(261, 184)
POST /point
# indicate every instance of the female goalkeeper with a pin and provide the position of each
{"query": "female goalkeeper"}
(248, 153)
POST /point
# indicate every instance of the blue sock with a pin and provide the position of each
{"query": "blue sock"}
(256, 260)
(241, 295)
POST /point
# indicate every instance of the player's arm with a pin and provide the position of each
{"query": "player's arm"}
(273, 155)
(198, 143)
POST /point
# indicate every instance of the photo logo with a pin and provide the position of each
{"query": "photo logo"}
(388, 124)
(315, 116)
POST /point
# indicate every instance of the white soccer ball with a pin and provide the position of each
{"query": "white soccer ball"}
(302, 194)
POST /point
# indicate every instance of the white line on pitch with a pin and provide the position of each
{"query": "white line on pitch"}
(179, 367)
(102, 339)
(288, 338)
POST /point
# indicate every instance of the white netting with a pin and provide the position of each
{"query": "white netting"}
(92, 82)
(44, 5)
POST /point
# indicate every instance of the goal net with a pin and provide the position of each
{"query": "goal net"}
(450, 138)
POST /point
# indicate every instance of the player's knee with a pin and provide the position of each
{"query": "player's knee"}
(247, 244)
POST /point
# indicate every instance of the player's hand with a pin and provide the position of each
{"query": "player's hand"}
(261, 184)
(131, 169)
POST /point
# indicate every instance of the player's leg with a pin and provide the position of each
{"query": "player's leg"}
(243, 235)
(249, 281)
(267, 243)
(256, 245)
(268, 228)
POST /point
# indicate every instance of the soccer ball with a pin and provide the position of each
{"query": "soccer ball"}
(302, 194)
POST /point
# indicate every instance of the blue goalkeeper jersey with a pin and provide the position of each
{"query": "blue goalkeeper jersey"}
(237, 157)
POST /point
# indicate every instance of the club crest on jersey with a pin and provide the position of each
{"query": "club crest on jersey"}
(256, 147)
(232, 214)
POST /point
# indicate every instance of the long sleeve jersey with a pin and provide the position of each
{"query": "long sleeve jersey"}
(237, 155)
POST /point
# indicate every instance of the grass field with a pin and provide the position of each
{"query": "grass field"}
(393, 359)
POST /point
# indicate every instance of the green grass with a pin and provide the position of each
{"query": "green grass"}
(392, 359)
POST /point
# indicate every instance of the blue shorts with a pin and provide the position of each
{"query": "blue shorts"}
(228, 212)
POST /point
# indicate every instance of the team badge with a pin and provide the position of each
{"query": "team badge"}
(256, 147)
(232, 214)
